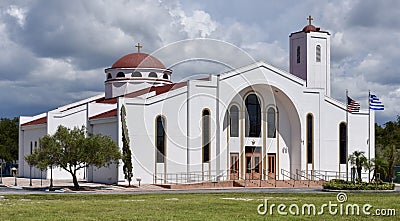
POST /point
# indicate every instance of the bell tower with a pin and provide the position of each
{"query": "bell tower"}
(310, 56)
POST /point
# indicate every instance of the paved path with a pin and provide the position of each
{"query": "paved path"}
(63, 187)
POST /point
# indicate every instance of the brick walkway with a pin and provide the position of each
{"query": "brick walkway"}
(67, 185)
(57, 184)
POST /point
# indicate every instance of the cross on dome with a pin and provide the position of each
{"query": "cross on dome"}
(309, 19)
(138, 47)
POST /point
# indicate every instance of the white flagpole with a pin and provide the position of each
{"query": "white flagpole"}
(369, 135)
(347, 136)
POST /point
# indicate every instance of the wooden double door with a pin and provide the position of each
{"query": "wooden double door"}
(253, 164)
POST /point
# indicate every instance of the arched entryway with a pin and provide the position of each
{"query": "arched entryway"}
(269, 136)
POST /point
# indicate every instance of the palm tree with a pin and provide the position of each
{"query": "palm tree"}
(370, 167)
(358, 159)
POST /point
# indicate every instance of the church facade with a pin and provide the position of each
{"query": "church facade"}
(254, 122)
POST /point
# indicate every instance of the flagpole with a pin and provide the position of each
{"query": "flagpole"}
(369, 135)
(347, 135)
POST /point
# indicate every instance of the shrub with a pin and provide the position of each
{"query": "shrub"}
(337, 184)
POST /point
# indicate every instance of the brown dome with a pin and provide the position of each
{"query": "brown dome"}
(138, 60)
(310, 28)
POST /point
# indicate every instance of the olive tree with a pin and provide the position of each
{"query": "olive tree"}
(73, 150)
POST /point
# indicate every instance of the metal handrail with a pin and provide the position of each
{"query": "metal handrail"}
(301, 175)
(283, 171)
(270, 178)
(191, 177)
(330, 174)
(317, 174)
(313, 174)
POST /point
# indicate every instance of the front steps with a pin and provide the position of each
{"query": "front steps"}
(247, 184)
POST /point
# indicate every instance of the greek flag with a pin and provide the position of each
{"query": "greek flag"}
(374, 103)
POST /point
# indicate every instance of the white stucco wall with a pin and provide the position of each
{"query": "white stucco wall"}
(29, 135)
(141, 122)
(107, 174)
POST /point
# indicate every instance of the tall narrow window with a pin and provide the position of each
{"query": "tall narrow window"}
(342, 143)
(298, 54)
(109, 76)
(318, 53)
(271, 121)
(253, 116)
(206, 135)
(160, 139)
(234, 121)
(310, 138)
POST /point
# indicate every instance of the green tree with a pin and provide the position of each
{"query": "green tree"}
(126, 150)
(388, 146)
(72, 151)
(380, 166)
(358, 159)
(9, 139)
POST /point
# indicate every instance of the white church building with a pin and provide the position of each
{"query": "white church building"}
(253, 122)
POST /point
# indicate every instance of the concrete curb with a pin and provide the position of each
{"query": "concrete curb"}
(359, 191)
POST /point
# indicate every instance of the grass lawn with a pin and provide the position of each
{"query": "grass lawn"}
(216, 206)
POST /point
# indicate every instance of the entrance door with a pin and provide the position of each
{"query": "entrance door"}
(234, 168)
(271, 165)
(253, 163)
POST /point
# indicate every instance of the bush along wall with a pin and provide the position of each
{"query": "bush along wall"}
(337, 184)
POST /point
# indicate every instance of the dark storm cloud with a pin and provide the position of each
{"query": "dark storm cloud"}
(376, 14)
(79, 30)
(55, 52)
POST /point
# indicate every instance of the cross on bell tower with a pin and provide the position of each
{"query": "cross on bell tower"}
(309, 19)
(138, 47)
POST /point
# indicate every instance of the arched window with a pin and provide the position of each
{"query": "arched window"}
(153, 75)
(206, 135)
(310, 137)
(165, 76)
(234, 121)
(109, 76)
(298, 54)
(136, 74)
(342, 143)
(271, 121)
(253, 116)
(160, 139)
(318, 53)
(120, 75)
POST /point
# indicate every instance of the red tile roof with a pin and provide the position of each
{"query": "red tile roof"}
(103, 100)
(111, 113)
(157, 89)
(42, 120)
(167, 88)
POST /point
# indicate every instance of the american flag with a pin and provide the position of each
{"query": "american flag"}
(352, 105)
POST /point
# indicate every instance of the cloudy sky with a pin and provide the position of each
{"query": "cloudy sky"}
(55, 52)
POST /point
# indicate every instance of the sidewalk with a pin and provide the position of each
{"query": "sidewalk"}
(67, 185)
